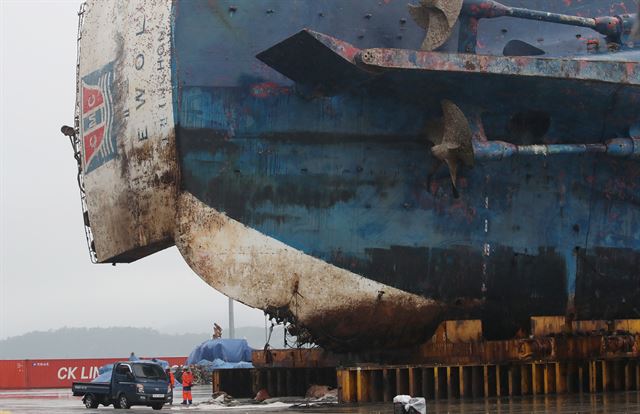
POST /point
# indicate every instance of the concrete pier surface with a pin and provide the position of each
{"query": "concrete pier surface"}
(58, 401)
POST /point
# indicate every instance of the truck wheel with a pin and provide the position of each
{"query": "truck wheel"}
(123, 402)
(157, 406)
(90, 401)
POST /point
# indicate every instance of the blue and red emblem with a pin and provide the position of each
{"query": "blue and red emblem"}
(98, 135)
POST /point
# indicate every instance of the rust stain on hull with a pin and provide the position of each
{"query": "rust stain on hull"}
(340, 309)
(125, 118)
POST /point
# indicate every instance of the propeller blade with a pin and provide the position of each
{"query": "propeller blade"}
(452, 141)
(437, 17)
(457, 133)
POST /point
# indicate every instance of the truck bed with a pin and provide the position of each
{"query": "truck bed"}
(96, 388)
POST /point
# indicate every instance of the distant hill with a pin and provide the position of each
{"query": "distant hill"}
(117, 342)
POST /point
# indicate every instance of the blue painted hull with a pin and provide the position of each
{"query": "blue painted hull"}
(346, 178)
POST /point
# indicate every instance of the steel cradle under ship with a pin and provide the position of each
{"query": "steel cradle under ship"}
(292, 152)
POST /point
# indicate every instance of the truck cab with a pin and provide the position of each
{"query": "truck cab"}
(132, 383)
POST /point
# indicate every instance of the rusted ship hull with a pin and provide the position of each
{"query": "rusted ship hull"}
(301, 182)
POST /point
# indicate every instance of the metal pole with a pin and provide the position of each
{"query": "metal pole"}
(232, 329)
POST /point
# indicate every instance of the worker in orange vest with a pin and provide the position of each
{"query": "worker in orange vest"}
(187, 382)
(172, 382)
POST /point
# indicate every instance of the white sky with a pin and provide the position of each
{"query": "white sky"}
(46, 278)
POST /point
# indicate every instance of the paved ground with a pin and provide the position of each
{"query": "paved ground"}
(61, 401)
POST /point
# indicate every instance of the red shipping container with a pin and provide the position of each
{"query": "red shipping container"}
(56, 373)
(60, 373)
(13, 374)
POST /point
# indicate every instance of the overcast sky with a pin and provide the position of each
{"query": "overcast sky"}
(46, 278)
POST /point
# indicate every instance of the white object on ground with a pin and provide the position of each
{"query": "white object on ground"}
(419, 404)
(404, 399)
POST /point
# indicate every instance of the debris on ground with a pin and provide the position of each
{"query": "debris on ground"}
(221, 398)
(319, 396)
(262, 395)
(407, 404)
(320, 391)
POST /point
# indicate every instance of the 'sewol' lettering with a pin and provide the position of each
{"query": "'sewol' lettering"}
(142, 135)
(139, 63)
(160, 51)
(161, 91)
(144, 23)
(140, 98)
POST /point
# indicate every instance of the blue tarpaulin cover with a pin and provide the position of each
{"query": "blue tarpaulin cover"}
(220, 364)
(222, 354)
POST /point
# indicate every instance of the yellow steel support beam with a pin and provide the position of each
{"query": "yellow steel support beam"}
(485, 377)
(346, 385)
(592, 377)
(436, 383)
(461, 382)
(352, 377)
(215, 381)
(362, 385)
(562, 372)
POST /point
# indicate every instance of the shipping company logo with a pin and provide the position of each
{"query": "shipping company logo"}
(40, 364)
(98, 135)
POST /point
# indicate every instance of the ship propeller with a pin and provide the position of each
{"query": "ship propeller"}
(437, 17)
(451, 138)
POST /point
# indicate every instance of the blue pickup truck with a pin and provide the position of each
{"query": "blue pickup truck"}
(132, 383)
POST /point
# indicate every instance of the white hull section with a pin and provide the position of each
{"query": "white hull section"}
(265, 273)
